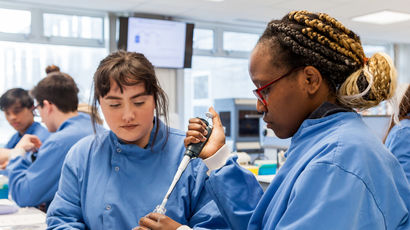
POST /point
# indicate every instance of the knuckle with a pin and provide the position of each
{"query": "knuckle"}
(142, 220)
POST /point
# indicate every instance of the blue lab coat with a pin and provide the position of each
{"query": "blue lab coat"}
(338, 175)
(35, 129)
(398, 142)
(106, 184)
(33, 183)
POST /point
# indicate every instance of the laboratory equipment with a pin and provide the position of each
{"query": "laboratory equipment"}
(267, 169)
(4, 187)
(241, 122)
(273, 147)
(243, 158)
(192, 151)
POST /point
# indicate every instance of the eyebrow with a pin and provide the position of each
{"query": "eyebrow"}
(258, 83)
(15, 108)
(119, 98)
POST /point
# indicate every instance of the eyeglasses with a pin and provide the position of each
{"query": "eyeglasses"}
(35, 111)
(259, 92)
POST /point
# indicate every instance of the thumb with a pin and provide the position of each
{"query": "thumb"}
(36, 142)
(216, 121)
(29, 147)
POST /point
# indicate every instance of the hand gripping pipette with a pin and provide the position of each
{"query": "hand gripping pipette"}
(192, 151)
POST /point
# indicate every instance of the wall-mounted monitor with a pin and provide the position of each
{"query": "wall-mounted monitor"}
(167, 44)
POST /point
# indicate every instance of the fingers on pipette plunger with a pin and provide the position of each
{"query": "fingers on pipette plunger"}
(209, 115)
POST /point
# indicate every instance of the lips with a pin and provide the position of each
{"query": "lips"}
(128, 126)
(15, 124)
(268, 124)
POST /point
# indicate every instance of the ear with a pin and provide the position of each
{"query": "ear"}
(47, 106)
(312, 79)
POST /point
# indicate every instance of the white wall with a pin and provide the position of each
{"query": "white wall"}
(170, 81)
(402, 61)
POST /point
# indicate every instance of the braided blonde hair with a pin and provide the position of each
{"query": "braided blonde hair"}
(303, 38)
(381, 76)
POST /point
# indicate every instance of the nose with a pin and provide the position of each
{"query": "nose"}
(260, 107)
(128, 114)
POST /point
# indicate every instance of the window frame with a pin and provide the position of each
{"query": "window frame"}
(218, 30)
(36, 34)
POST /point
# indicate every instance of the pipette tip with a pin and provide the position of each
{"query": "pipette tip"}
(160, 209)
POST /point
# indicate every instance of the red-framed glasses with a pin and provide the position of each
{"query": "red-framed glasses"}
(259, 92)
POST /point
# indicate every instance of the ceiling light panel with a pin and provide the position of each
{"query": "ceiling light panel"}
(383, 17)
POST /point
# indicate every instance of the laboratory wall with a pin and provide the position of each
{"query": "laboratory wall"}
(172, 83)
(402, 57)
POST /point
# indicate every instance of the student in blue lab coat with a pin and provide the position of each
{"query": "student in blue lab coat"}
(112, 180)
(398, 135)
(35, 183)
(18, 109)
(310, 72)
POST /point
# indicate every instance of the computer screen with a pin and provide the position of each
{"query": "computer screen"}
(167, 44)
(248, 123)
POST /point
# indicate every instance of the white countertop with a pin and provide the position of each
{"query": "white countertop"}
(265, 178)
(25, 218)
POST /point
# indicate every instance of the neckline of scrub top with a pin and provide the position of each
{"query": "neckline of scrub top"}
(326, 109)
(30, 129)
(136, 151)
(71, 119)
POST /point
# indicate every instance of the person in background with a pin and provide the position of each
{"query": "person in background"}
(82, 107)
(35, 183)
(398, 136)
(18, 109)
(310, 71)
(111, 180)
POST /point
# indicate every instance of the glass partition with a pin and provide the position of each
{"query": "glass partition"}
(15, 21)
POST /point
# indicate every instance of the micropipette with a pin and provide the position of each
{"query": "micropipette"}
(192, 151)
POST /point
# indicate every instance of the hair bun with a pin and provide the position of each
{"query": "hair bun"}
(52, 68)
(370, 85)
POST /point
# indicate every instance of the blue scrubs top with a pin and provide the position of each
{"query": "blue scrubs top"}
(33, 183)
(338, 175)
(35, 129)
(106, 184)
(398, 142)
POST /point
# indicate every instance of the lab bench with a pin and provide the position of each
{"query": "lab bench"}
(24, 219)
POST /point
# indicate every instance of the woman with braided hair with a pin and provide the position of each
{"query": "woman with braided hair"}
(311, 73)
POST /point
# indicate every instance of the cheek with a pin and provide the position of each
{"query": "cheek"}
(284, 105)
(149, 107)
(27, 116)
(21, 117)
(281, 100)
(147, 114)
(110, 116)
